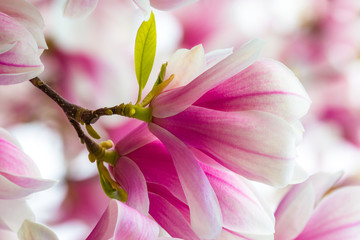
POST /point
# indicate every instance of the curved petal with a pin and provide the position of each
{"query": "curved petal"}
(257, 145)
(267, 85)
(34, 231)
(294, 211)
(185, 65)
(19, 175)
(137, 138)
(174, 101)
(28, 16)
(206, 219)
(168, 212)
(21, 62)
(129, 176)
(122, 222)
(241, 210)
(157, 167)
(13, 212)
(79, 8)
(336, 217)
(170, 4)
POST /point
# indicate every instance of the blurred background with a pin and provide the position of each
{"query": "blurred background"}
(90, 63)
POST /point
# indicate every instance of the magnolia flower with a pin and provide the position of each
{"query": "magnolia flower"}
(242, 112)
(204, 204)
(22, 41)
(82, 8)
(313, 210)
(19, 177)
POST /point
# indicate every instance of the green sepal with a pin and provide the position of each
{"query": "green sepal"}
(91, 131)
(144, 55)
(111, 188)
(161, 75)
(156, 90)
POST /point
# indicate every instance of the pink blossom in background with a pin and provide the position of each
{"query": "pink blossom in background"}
(19, 177)
(313, 210)
(82, 8)
(22, 41)
(241, 112)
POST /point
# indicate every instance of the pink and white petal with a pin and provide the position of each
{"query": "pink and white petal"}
(15, 186)
(227, 234)
(105, 228)
(134, 225)
(213, 57)
(14, 161)
(257, 145)
(294, 211)
(241, 210)
(205, 213)
(158, 167)
(322, 182)
(170, 218)
(130, 177)
(266, 85)
(23, 74)
(137, 138)
(174, 101)
(170, 4)
(185, 65)
(13, 213)
(8, 137)
(33, 231)
(28, 16)
(79, 8)
(336, 217)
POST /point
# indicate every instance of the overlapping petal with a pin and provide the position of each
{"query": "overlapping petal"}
(206, 219)
(174, 101)
(266, 85)
(129, 176)
(13, 212)
(122, 222)
(19, 175)
(257, 145)
(336, 217)
(22, 42)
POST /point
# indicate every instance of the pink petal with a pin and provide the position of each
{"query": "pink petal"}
(169, 213)
(257, 145)
(122, 222)
(214, 57)
(137, 138)
(19, 175)
(336, 217)
(28, 16)
(130, 177)
(170, 4)
(34, 231)
(21, 62)
(206, 218)
(79, 8)
(266, 85)
(242, 211)
(294, 211)
(174, 101)
(158, 167)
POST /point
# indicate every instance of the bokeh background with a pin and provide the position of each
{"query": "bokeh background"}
(90, 62)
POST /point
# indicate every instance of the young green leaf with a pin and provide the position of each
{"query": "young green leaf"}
(145, 47)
